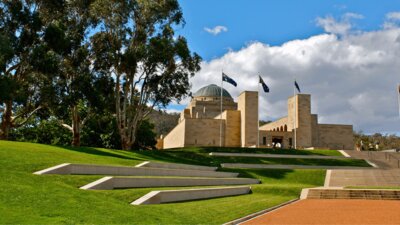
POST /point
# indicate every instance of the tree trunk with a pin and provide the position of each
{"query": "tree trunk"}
(126, 144)
(76, 127)
(6, 121)
(128, 134)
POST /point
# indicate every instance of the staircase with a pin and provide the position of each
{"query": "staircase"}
(369, 194)
(384, 160)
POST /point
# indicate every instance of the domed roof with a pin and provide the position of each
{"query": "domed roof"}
(211, 90)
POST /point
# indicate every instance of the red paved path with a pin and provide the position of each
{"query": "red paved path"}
(333, 211)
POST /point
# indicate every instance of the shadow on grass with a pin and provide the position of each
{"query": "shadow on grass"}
(94, 151)
(258, 173)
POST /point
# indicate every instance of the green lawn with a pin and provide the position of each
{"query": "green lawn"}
(262, 150)
(54, 199)
(201, 156)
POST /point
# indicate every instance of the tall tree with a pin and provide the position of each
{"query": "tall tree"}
(137, 46)
(21, 71)
(76, 89)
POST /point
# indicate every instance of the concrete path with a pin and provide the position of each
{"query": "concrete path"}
(387, 174)
(277, 166)
(367, 177)
(165, 196)
(333, 212)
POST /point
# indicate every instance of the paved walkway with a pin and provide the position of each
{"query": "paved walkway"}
(386, 175)
(283, 156)
(333, 212)
(368, 177)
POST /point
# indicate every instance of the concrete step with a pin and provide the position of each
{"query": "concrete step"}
(157, 197)
(175, 166)
(88, 169)
(109, 183)
(280, 166)
(315, 193)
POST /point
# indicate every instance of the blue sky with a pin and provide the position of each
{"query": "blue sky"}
(346, 54)
(272, 22)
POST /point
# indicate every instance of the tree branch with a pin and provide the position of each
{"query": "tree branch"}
(12, 68)
(66, 126)
(27, 117)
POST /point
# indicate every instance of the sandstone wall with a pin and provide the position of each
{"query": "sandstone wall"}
(209, 109)
(248, 107)
(175, 138)
(203, 132)
(335, 136)
(232, 128)
(280, 123)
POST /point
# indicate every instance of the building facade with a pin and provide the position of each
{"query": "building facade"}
(201, 123)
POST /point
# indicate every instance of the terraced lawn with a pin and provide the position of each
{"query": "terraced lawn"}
(56, 199)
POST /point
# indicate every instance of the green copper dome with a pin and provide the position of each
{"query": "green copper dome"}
(211, 90)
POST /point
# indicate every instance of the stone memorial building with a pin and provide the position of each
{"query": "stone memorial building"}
(200, 124)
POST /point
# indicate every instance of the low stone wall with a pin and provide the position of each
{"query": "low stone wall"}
(109, 183)
(277, 166)
(130, 171)
(157, 197)
(176, 166)
(256, 155)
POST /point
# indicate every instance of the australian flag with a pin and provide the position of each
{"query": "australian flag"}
(226, 78)
(297, 86)
(265, 87)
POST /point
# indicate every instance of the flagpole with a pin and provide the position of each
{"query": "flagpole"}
(258, 114)
(220, 124)
(294, 113)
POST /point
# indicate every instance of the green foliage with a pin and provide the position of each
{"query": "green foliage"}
(100, 131)
(145, 138)
(136, 44)
(46, 132)
(385, 141)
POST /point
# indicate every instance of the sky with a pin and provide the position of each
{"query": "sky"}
(346, 54)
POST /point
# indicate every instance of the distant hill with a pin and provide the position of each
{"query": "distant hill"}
(163, 122)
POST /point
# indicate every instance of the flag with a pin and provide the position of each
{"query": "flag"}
(265, 87)
(228, 79)
(297, 86)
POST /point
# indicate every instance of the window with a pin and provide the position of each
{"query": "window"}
(264, 140)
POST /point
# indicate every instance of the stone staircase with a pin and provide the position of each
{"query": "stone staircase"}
(369, 194)
(384, 160)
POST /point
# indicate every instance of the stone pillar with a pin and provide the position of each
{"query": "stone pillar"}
(248, 107)
(303, 120)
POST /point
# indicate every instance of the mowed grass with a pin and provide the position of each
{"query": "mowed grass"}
(201, 156)
(261, 150)
(26, 198)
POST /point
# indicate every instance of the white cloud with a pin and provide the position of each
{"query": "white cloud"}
(351, 80)
(392, 20)
(341, 26)
(393, 16)
(216, 30)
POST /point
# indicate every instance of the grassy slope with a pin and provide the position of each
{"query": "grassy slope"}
(33, 199)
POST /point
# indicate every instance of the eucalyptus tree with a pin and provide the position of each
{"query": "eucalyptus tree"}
(136, 45)
(24, 63)
(78, 91)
